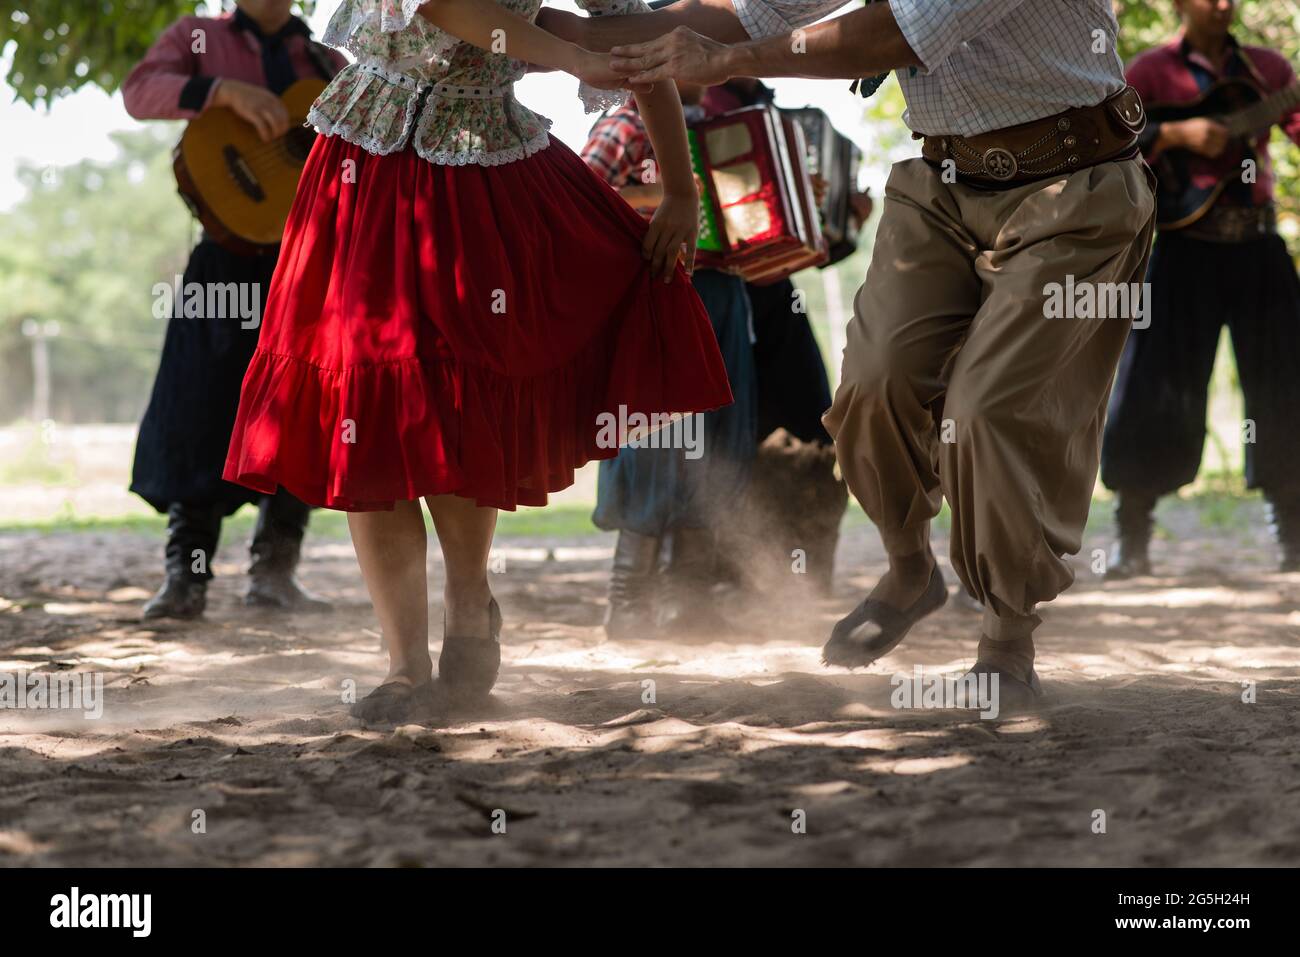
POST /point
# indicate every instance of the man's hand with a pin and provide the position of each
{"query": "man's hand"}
(674, 230)
(861, 204)
(255, 104)
(1200, 135)
(594, 70)
(820, 188)
(679, 55)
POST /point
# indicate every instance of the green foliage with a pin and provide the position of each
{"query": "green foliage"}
(60, 46)
(1270, 23)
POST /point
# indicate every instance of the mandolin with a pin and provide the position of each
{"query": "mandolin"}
(1190, 184)
(238, 186)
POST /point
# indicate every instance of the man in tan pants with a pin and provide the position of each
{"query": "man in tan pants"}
(977, 364)
(956, 383)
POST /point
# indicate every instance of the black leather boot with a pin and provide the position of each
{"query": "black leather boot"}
(1284, 519)
(192, 533)
(632, 586)
(277, 545)
(1134, 518)
(690, 604)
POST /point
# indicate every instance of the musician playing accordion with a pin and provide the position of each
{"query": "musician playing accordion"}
(665, 496)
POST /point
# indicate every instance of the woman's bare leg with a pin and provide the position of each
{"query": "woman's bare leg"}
(392, 550)
(465, 535)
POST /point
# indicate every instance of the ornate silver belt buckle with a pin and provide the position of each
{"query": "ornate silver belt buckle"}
(1000, 163)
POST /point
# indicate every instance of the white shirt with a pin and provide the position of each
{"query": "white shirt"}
(987, 64)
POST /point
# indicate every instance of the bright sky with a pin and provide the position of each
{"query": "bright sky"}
(77, 127)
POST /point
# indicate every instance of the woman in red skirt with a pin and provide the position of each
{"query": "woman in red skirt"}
(460, 309)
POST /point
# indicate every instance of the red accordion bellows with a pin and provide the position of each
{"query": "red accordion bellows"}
(459, 329)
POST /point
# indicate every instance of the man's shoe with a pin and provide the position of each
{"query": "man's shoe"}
(276, 550)
(1127, 560)
(178, 598)
(1013, 695)
(632, 581)
(874, 629)
(192, 534)
(690, 601)
(280, 590)
(1130, 556)
(1284, 519)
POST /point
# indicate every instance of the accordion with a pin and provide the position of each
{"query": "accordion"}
(837, 160)
(758, 216)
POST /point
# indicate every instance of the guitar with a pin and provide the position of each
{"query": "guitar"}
(238, 186)
(1190, 184)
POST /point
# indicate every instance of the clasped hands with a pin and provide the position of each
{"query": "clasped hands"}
(681, 54)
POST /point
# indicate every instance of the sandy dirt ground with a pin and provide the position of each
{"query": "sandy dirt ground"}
(241, 718)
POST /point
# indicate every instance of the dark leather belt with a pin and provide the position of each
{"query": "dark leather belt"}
(1069, 141)
(1233, 224)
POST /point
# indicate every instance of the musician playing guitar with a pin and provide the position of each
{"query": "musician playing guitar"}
(1217, 259)
(241, 61)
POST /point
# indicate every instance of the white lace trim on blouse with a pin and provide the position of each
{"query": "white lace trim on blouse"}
(347, 21)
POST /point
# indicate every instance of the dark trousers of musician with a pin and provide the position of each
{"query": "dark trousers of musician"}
(184, 436)
(793, 388)
(1156, 426)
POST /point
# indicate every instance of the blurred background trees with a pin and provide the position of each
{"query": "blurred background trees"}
(63, 45)
(90, 239)
(84, 249)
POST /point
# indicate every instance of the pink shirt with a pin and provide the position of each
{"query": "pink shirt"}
(1167, 75)
(175, 81)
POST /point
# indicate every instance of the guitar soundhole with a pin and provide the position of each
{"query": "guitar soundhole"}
(243, 174)
(298, 142)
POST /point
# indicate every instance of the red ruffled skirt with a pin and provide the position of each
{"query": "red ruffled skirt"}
(460, 329)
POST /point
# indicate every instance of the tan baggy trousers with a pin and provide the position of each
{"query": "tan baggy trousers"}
(956, 383)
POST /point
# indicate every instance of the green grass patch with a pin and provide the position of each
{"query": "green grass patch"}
(557, 521)
(1219, 501)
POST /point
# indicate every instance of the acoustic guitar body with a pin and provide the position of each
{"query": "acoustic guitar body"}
(238, 186)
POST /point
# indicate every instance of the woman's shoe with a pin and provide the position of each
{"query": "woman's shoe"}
(468, 666)
(393, 702)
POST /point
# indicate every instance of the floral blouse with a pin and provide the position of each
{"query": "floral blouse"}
(415, 82)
